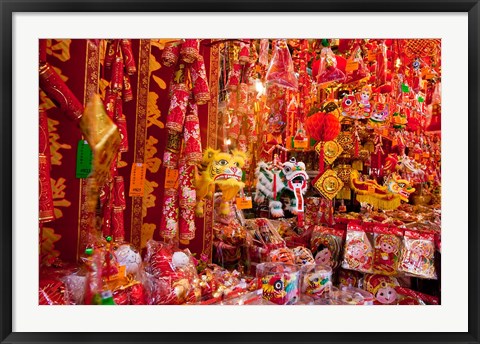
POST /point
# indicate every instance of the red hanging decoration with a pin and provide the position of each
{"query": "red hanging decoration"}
(322, 126)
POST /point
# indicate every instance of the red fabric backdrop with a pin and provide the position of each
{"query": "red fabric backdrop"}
(80, 63)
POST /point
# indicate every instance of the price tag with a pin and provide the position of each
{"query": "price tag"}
(430, 177)
(84, 159)
(426, 154)
(137, 180)
(417, 156)
(171, 178)
(300, 143)
(244, 202)
(351, 66)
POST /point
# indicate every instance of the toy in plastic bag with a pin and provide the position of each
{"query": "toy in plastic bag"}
(358, 252)
(382, 287)
(127, 255)
(303, 256)
(328, 73)
(348, 278)
(282, 255)
(352, 296)
(417, 258)
(280, 282)
(388, 245)
(316, 280)
(356, 72)
(170, 273)
(281, 71)
(326, 244)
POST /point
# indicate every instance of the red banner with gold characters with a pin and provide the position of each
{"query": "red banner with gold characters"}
(85, 67)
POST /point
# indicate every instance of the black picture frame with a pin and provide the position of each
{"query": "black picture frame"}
(9, 7)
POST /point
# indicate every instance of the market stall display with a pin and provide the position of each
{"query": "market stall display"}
(240, 172)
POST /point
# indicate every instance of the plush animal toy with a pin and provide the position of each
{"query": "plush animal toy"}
(386, 197)
(276, 182)
(223, 170)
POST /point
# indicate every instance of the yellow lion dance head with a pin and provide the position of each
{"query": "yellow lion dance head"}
(222, 169)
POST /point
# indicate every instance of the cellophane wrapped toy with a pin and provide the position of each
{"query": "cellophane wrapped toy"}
(348, 278)
(303, 256)
(230, 235)
(170, 274)
(316, 280)
(279, 282)
(382, 287)
(328, 73)
(264, 239)
(326, 244)
(352, 296)
(358, 251)
(418, 255)
(388, 245)
(281, 70)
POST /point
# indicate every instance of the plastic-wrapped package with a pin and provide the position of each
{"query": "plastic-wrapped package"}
(418, 255)
(76, 284)
(356, 71)
(382, 287)
(408, 296)
(358, 252)
(264, 238)
(388, 245)
(326, 244)
(328, 73)
(279, 282)
(348, 278)
(316, 280)
(249, 298)
(282, 255)
(352, 296)
(52, 292)
(303, 255)
(170, 273)
(281, 70)
(263, 58)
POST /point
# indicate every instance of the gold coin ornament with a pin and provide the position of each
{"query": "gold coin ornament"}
(328, 184)
(332, 151)
(345, 140)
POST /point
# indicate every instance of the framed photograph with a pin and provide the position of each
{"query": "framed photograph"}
(56, 63)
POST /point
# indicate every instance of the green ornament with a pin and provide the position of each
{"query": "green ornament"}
(325, 42)
(405, 88)
(421, 100)
(89, 251)
(108, 238)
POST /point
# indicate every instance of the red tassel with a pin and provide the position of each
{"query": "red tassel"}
(321, 162)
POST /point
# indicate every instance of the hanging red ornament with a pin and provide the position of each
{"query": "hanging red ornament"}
(322, 126)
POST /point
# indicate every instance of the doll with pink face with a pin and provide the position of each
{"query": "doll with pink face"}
(386, 249)
(382, 287)
(358, 253)
(363, 99)
(324, 256)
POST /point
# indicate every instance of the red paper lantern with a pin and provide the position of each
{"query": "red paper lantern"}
(322, 126)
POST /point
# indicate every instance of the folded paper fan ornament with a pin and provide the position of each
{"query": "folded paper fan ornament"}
(281, 71)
